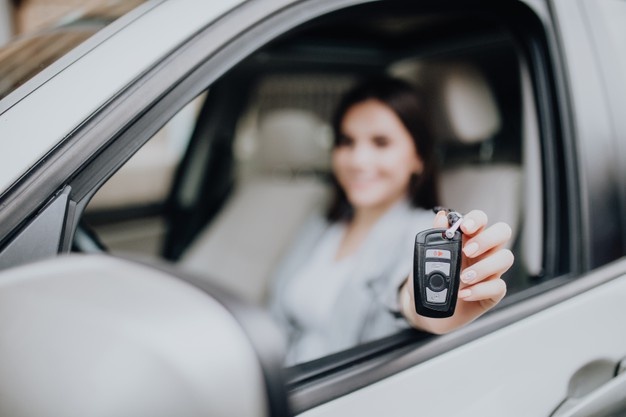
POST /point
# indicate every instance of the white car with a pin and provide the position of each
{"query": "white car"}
(197, 132)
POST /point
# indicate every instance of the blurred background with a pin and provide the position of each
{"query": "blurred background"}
(20, 17)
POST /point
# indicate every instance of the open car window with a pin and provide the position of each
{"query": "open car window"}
(254, 164)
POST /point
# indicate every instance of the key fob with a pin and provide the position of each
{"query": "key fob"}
(436, 270)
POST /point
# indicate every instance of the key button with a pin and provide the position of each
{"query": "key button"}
(436, 282)
(436, 297)
(438, 253)
(438, 266)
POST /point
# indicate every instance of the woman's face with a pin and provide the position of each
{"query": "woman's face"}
(375, 156)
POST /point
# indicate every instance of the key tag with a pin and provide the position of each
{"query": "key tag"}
(437, 267)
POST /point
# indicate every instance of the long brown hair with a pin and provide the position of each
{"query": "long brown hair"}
(408, 104)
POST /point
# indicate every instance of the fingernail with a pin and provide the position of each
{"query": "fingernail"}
(468, 276)
(469, 225)
(470, 249)
(465, 293)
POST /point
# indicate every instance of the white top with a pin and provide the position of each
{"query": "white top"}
(326, 305)
(314, 290)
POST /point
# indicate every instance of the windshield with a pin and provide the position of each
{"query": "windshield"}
(28, 55)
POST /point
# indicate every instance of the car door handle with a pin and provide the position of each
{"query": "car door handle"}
(605, 400)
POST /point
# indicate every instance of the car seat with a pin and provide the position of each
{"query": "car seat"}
(282, 155)
(491, 158)
(466, 121)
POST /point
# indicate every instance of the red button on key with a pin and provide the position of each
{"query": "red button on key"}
(438, 253)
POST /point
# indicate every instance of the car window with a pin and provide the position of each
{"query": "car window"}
(128, 211)
(255, 166)
(26, 57)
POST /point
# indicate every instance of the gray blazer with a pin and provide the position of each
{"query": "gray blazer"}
(367, 302)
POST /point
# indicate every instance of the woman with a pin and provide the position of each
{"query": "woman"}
(349, 279)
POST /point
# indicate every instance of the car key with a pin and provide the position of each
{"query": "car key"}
(436, 268)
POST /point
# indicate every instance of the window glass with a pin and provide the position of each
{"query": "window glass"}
(127, 212)
(30, 53)
(26, 57)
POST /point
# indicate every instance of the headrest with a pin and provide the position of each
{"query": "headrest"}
(293, 139)
(286, 128)
(461, 102)
(469, 105)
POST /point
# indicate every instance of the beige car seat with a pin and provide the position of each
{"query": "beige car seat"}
(465, 113)
(278, 190)
(506, 191)
(473, 117)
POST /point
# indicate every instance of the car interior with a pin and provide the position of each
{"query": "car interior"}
(225, 186)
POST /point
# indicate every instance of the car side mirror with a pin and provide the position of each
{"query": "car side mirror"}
(99, 336)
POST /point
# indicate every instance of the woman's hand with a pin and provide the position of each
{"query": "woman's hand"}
(481, 288)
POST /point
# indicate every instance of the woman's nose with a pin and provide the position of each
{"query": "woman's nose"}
(361, 155)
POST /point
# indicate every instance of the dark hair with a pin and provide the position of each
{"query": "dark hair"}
(408, 104)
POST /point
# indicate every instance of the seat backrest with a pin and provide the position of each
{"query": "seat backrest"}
(241, 247)
(279, 187)
(465, 120)
(282, 147)
(494, 189)
(473, 117)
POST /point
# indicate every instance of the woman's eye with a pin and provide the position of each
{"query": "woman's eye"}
(345, 141)
(380, 141)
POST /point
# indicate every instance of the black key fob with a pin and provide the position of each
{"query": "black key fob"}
(436, 270)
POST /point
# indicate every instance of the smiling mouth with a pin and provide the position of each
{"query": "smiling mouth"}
(361, 183)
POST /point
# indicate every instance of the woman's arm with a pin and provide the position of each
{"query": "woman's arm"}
(481, 288)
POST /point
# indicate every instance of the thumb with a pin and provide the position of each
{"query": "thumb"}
(441, 220)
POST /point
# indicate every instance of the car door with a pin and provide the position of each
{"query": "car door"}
(560, 352)
(557, 353)
(555, 339)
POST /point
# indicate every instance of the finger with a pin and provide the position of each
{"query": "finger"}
(441, 220)
(474, 221)
(496, 235)
(494, 265)
(491, 292)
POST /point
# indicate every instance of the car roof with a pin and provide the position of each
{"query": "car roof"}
(36, 117)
